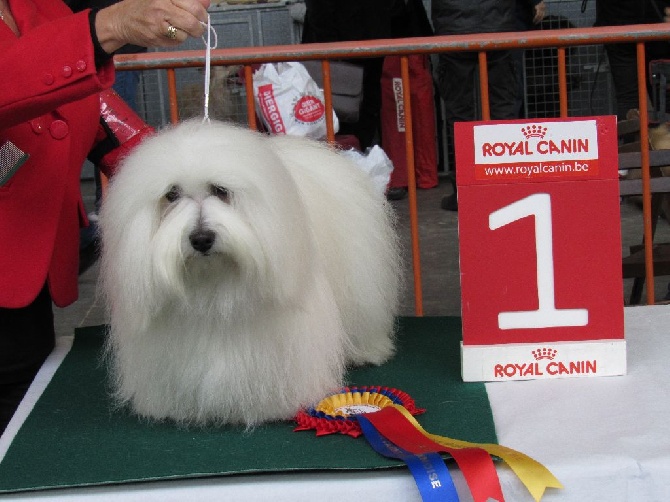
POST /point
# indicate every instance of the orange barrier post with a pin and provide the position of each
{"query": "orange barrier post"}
(411, 187)
(646, 176)
(249, 87)
(328, 98)
(172, 95)
(484, 85)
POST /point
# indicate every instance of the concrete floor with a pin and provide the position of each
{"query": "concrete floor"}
(439, 257)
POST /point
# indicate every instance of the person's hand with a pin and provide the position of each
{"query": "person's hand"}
(540, 12)
(667, 15)
(150, 23)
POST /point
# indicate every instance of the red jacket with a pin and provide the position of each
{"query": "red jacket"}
(49, 108)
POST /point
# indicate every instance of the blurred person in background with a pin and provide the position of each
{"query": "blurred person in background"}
(350, 20)
(622, 57)
(456, 72)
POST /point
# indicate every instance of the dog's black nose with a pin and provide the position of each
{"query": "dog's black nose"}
(202, 240)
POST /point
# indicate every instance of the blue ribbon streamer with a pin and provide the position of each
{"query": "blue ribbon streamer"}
(429, 470)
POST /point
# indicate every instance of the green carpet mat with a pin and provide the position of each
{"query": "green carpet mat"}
(74, 437)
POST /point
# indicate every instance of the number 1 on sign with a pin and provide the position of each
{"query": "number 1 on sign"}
(547, 315)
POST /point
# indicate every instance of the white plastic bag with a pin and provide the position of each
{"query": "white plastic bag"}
(289, 101)
(375, 163)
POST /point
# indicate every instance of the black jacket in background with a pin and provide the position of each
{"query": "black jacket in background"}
(622, 12)
(457, 17)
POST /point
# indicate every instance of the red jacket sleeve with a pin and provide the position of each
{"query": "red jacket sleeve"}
(48, 66)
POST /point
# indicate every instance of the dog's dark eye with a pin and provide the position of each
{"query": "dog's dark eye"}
(173, 194)
(221, 192)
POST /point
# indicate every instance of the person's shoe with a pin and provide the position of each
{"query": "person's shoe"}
(449, 202)
(396, 193)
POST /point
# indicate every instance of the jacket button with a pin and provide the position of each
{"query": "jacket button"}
(48, 79)
(81, 65)
(37, 126)
(59, 129)
(67, 71)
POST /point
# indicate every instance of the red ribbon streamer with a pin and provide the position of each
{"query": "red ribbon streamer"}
(475, 463)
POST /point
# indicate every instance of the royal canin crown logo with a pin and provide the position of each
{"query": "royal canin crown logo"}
(534, 131)
(544, 353)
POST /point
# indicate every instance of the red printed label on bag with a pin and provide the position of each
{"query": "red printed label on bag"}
(309, 109)
(270, 109)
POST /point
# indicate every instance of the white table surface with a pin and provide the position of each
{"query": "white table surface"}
(606, 439)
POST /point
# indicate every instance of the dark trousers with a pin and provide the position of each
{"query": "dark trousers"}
(457, 83)
(27, 337)
(623, 67)
(367, 128)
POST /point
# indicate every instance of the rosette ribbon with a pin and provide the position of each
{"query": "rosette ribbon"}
(429, 470)
(384, 416)
(400, 427)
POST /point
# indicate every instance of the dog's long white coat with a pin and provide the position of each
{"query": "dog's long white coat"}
(302, 278)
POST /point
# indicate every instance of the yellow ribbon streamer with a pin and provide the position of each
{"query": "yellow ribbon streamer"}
(535, 476)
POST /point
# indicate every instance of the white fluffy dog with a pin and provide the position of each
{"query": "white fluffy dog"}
(243, 274)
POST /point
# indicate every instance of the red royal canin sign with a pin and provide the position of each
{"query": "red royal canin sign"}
(540, 249)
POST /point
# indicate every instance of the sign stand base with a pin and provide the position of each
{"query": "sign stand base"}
(534, 361)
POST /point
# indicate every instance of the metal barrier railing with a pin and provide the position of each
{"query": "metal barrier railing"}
(479, 43)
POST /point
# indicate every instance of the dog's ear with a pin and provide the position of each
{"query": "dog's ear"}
(126, 272)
